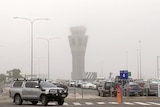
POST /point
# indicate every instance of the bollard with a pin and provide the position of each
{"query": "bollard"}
(119, 94)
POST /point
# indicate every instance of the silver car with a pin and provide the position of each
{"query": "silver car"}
(34, 91)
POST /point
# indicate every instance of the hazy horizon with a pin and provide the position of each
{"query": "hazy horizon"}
(114, 29)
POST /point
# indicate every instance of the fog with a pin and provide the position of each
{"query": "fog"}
(114, 29)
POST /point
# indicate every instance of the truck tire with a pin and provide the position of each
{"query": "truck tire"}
(44, 100)
(60, 101)
(18, 100)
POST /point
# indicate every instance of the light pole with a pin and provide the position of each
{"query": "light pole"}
(48, 41)
(126, 60)
(140, 69)
(137, 66)
(158, 68)
(31, 22)
(158, 76)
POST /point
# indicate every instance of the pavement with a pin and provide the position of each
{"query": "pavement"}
(78, 97)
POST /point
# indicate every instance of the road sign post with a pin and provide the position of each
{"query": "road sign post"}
(123, 74)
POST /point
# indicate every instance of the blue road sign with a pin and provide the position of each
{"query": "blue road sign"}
(123, 74)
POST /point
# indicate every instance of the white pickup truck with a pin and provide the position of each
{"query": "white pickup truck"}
(36, 90)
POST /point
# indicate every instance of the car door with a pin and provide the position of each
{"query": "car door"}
(30, 91)
(35, 90)
(27, 93)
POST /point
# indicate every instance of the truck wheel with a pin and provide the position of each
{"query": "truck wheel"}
(34, 102)
(44, 100)
(61, 101)
(18, 100)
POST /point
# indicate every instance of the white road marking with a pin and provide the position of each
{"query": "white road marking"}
(66, 104)
(52, 103)
(88, 103)
(76, 103)
(128, 103)
(113, 102)
(154, 103)
(141, 103)
(100, 103)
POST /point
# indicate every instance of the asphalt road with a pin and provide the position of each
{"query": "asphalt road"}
(88, 104)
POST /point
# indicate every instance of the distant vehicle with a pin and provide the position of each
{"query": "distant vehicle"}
(132, 89)
(99, 84)
(72, 83)
(106, 88)
(87, 85)
(150, 89)
(36, 90)
(79, 83)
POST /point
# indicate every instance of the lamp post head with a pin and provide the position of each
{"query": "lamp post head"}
(15, 17)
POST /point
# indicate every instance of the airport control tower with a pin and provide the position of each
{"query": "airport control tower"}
(78, 43)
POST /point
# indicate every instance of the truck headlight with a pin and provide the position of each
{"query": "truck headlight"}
(60, 91)
(52, 91)
(65, 91)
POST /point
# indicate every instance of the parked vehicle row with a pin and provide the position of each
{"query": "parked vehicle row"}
(106, 88)
(83, 84)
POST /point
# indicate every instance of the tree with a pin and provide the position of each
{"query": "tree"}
(2, 78)
(15, 73)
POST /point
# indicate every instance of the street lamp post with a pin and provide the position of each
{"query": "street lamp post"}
(31, 22)
(48, 42)
(140, 69)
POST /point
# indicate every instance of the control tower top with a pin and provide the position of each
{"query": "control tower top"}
(78, 30)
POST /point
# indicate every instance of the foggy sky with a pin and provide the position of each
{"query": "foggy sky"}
(114, 28)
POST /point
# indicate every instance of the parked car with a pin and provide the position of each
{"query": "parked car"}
(132, 89)
(87, 85)
(107, 89)
(150, 89)
(72, 83)
(99, 84)
(79, 83)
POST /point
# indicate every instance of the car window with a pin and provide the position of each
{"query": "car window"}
(17, 84)
(31, 84)
(108, 84)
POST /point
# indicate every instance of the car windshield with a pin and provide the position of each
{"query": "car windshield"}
(154, 86)
(45, 84)
(108, 84)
